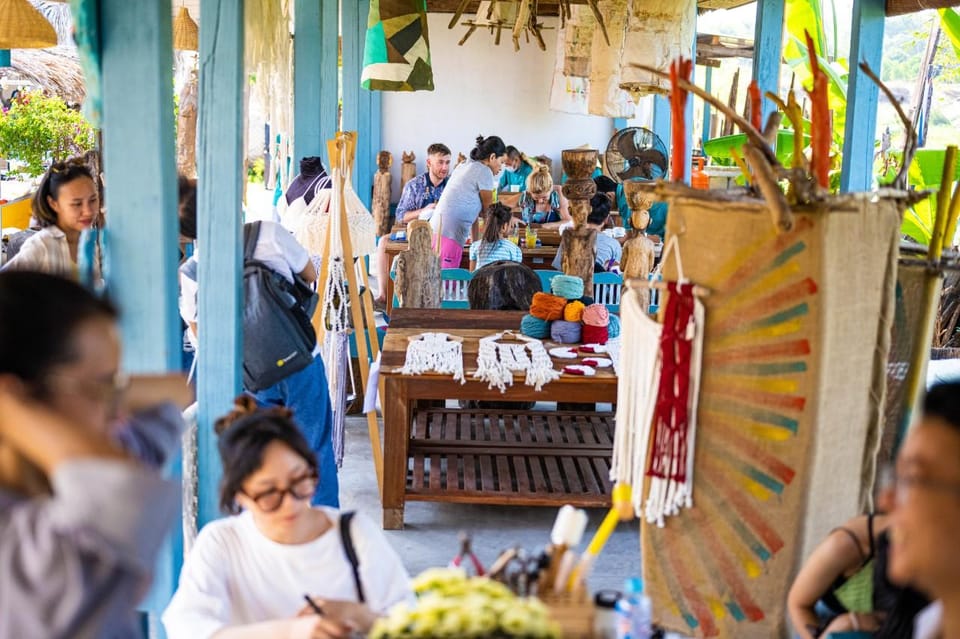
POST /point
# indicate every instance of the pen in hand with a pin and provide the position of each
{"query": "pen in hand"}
(317, 609)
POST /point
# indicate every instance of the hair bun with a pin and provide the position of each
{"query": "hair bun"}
(480, 140)
(244, 406)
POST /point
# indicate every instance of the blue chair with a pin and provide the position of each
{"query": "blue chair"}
(453, 287)
(606, 290)
(654, 293)
(546, 278)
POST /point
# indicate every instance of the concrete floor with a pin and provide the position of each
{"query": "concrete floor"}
(429, 537)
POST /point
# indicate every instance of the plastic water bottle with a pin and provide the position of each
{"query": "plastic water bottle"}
(634, 613)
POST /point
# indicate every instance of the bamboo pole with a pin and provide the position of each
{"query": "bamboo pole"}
(932, 283)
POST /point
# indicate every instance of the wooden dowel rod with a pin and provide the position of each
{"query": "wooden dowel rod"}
(636, 282)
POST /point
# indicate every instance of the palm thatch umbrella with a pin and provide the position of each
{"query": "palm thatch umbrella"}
(55, 71)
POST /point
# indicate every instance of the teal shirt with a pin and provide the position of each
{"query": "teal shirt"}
(515, 178)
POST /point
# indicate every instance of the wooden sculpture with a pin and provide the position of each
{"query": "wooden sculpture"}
(638, 251)
(382, 184)
(418, 269)
(578, 244)
(408, 169)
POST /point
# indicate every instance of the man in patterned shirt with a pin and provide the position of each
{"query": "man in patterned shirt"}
(419, 196)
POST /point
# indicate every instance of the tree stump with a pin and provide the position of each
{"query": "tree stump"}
(408, 169)
(418, 269)
(503, 286)
(382, 184)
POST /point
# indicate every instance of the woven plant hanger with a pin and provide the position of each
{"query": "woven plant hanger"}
(23, 27)
(186, 34)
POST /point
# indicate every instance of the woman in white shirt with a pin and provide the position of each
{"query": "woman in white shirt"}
(247, 575)
(66, 204)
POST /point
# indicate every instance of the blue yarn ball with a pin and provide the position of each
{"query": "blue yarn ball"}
(587, 300)
(564, 332)
(567, 286)
(534, 327)
(613, 328)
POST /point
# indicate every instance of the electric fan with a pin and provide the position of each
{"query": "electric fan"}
(636, 153)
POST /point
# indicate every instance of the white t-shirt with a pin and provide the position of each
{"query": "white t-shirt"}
(235, 576)
(459, 204)
(276, 247)
(928, 624)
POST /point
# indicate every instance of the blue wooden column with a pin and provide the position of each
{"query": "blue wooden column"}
(768, 50)
(708, 87)
(4, 57)
(856, 172)
(219, 207)
(315, 81)
(661, 119)
(141, 199)
(361, 108)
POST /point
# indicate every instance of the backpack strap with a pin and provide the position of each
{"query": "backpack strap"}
(251, 233)
(351, 552)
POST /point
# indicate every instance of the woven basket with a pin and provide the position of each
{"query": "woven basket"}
(23, 27)
(186, 34)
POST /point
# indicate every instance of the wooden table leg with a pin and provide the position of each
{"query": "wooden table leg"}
(396, 439)
(389, 294)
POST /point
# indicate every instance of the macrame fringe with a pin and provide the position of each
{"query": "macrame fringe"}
(497, 361)
(434, 352)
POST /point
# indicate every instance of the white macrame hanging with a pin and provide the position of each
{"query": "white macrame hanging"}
(336, 344)
(434, 352)
(310, 226)
(497, 361)
(638, 376)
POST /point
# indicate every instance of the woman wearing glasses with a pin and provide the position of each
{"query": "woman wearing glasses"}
(66, 204)
(247, 575)
(81, 520)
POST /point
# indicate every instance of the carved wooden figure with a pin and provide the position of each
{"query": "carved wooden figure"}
(408, 169)
(418, 269)
(639, 251)
(578, 244)
(382, 185)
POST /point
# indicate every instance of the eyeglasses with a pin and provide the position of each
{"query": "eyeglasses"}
(300, 488)
(902, 484)
(98, 390)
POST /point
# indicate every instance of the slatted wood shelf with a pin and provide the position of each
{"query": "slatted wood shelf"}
(519, 457)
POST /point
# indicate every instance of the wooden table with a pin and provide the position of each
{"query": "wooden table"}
(489, 456)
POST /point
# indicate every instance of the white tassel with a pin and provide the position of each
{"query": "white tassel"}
(435, 352)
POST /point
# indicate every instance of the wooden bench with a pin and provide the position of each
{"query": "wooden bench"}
(516, 457)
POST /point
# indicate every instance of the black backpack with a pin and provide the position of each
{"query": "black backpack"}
(278, 337)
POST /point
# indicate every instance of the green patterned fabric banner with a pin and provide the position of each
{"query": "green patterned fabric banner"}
(396, 55)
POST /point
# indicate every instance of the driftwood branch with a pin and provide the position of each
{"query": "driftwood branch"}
(752, 134)
(458, 13)
(910, 145)
(766, 181)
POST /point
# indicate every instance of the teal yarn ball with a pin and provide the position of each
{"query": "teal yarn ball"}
(613, 328)
(534, 327)
(564, 332)
(567, 286)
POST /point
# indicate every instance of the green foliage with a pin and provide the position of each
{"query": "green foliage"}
(255, 172)
(926, 172)
(39, 129)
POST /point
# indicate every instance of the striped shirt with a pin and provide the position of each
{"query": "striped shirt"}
(483, 253)
(46, 251)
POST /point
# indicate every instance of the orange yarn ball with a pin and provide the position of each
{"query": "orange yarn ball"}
(573, 311)
(547, 307)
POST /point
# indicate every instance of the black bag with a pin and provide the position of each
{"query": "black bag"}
(278, 337)
(347, 540)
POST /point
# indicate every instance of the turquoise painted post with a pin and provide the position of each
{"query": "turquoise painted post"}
(361, 108)
(708, 87)
(767, 50)
(315, 82)
(139, 164)
(219, 162)
(661, 119)
(4, 57)
(856, 172)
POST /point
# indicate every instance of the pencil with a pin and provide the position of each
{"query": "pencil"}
(317, 609)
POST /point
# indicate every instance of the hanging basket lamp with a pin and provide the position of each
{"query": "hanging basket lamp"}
(23, 27)
(186, 34)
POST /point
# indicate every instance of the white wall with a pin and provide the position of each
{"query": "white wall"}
(488, 89)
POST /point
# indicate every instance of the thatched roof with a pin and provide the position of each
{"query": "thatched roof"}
(56, 71)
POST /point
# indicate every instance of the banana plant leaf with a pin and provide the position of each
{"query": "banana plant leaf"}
(719, 148)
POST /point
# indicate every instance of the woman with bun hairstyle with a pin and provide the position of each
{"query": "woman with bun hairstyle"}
(469, 192)
(542, 202)
(247, 575)
(66, 204)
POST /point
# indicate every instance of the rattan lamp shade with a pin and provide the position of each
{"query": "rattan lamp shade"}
(186, 35)
(23, 27)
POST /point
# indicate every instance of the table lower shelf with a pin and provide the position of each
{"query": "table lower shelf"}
(515, 457)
